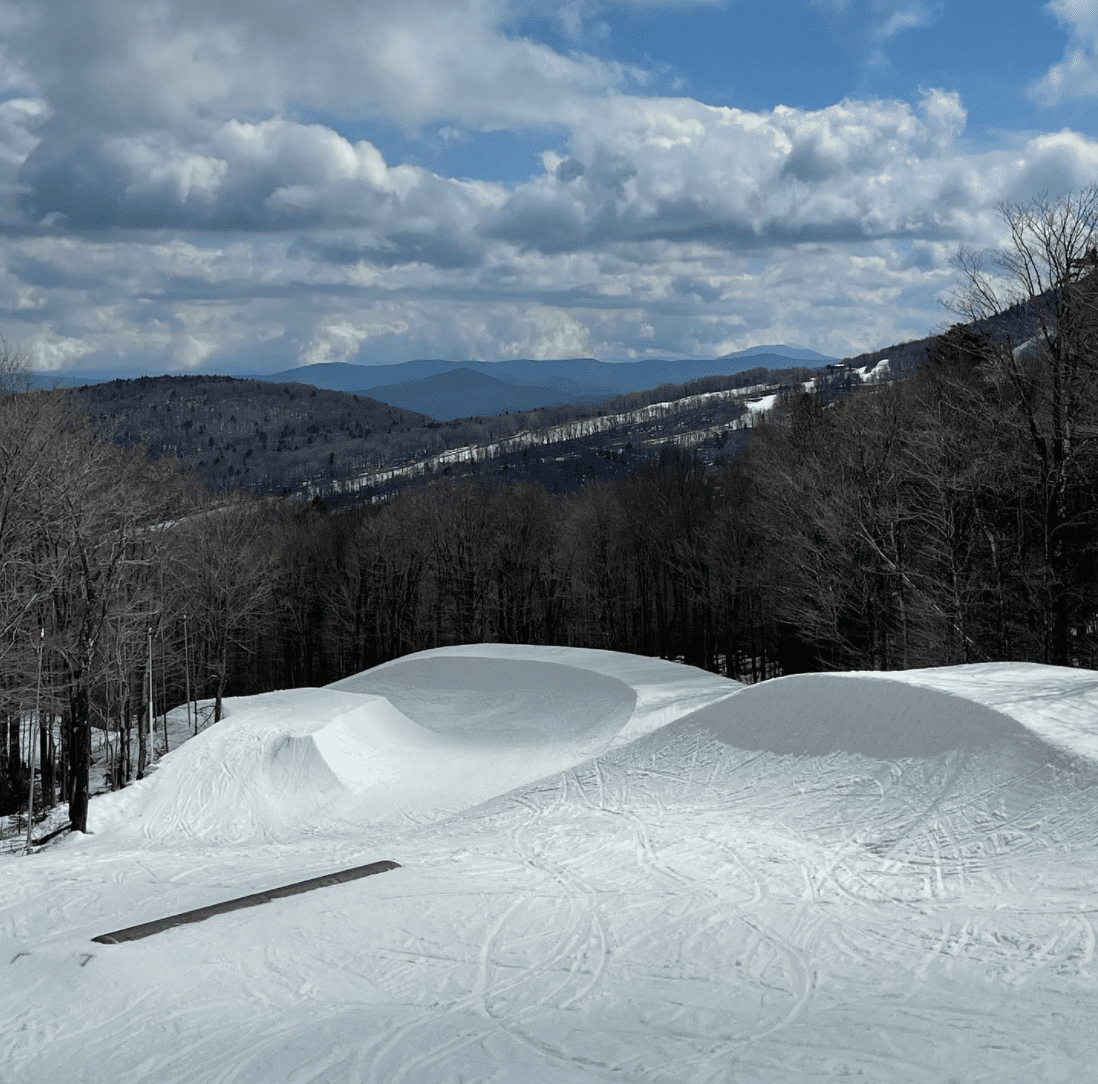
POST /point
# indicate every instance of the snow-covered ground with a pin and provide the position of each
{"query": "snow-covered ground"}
(612, 869)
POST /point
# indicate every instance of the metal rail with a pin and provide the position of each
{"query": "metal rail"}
(147, 929)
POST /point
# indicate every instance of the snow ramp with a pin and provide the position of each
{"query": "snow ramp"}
(922, 781)
(1039, 711)
(413, 740)
(524, 691)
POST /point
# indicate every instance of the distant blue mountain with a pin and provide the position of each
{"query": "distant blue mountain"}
(452, 389)
(456, 389)
(465, 393)
(798, 353)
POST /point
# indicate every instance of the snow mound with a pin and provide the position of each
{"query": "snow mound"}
(1038, 711)
(473, 687)
(415, 739)
(923, 784)
(485, 699)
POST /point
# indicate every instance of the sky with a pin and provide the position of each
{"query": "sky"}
(250, 185)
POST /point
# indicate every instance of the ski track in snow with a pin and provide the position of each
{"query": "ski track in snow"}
(635, 872)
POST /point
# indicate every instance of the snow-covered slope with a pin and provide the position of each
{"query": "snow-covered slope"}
(556, 434)
(416, 739)
(613, 869)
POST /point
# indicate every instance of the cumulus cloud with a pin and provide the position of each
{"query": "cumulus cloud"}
(678, 169)
(339, 340)
(1054, 164)
(50, 351)
(20, 120)
(666, 227)
(1076, 76)
(266, 175)
(171, 200)
(132, 65)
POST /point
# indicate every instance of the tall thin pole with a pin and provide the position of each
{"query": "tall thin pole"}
(187, 673)
(37, 724)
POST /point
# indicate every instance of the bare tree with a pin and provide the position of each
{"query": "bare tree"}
(79, 530)
(15, 370)
(224, 571)
(1037, 300)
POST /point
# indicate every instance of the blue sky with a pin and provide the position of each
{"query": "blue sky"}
(246, 185)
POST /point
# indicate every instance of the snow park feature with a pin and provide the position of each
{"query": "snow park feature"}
(609, 868)
(200, 914)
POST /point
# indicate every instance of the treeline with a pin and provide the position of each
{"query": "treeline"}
(251, 435)
(903, 358)
(121, 583)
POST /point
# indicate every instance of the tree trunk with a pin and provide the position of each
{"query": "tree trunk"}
(124, 771)
(222, 674)
(142, 745)
(80, 759)
(45, 759)
(66, 754)
(14, 758)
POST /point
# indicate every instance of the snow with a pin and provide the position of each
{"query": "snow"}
(756, 408)
(917, 713)
(565, 431)
(612, 869)
(874, 371)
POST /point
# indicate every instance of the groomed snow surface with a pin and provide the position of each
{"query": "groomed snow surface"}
(612, 869)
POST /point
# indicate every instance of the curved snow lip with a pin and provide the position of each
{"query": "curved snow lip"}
(478, 699)
(659, 691)
(915, 713)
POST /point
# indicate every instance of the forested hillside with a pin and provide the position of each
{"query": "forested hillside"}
(249, 434)
(294, 439)
(907, 525)
(902, 524)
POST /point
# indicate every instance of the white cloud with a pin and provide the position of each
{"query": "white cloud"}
(546, 332)
(275, 174)
(1055, 164)
(341, 340)
(670, 227)
(175, 211)
(51, 352)
(905, 15)
(1076, 76)
(863, 27)
(675, 168)
(19, 119)
(181, 63)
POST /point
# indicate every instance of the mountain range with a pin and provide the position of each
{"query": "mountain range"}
(292, 437)
(445, 390)
(450, 389)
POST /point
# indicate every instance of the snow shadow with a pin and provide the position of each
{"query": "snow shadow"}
(518, 700)
(873, 716)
